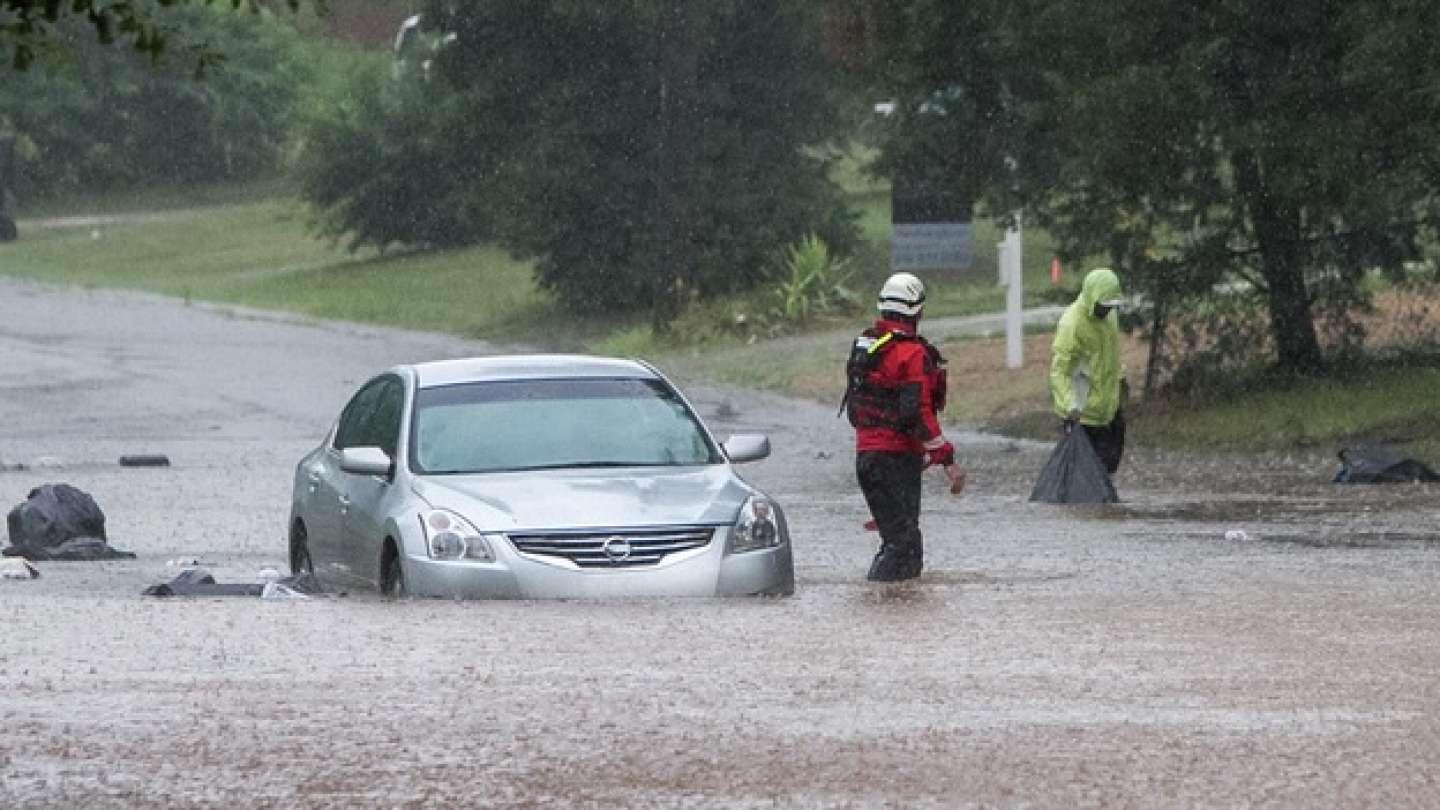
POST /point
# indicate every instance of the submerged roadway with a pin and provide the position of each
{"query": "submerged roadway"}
(1050, 656)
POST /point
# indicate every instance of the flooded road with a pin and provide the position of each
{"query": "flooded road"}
(1123, 656)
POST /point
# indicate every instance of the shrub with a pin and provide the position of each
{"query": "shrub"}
(812, 282)
(377, 163)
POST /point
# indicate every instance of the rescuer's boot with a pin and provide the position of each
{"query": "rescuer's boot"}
(912, 562)
(890, 565)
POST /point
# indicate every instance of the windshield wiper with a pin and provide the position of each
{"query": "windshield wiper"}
(570, 465)
(581, 465)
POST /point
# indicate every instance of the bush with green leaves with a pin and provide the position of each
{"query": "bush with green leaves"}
(377, 166)
(92, 117)
(812, 282)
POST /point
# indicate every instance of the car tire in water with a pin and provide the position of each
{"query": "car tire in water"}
(392, 574)
(300, 562)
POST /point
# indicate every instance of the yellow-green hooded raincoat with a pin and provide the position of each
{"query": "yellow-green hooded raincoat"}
(1085, 370)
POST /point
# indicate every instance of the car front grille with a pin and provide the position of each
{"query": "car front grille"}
(624, 549)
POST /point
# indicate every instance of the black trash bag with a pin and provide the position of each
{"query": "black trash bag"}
(1074, 474)
(79, 549)
(200, 582)
(1376, 465)
(59, 522)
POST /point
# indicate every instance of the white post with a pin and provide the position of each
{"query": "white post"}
(1014, 297)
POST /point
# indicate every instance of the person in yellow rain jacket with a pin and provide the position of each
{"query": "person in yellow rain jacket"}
(1086, 378)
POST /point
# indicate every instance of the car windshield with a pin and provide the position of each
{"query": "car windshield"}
(554, 424)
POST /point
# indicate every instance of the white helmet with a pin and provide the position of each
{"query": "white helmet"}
(902, 293)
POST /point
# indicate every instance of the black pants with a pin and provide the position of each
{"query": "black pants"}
(1109, 442)
(891, 484)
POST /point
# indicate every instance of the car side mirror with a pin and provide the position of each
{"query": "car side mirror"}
(743, 447)
(366, 461)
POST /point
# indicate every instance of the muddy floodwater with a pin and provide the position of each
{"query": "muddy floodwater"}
(1238, 632)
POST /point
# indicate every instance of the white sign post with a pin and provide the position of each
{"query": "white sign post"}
(1010, 275)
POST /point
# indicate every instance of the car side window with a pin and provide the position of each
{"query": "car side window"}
(354, 420)
(383, 430)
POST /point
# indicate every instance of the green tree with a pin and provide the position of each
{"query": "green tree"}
(378, 162)
(94, 117)
(29, 27)
(1292, 143)
(643, 152)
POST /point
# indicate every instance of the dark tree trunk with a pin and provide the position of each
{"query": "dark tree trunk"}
(1157, 347)
(678, 64)
(1277, 230)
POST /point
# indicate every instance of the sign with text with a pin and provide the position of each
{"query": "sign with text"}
(931, 246)
(931, 227)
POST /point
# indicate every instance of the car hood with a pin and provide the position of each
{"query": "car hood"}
(610, 498)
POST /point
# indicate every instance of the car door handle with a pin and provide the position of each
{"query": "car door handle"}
(344, 504)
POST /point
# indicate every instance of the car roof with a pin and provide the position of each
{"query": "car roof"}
(526, 367)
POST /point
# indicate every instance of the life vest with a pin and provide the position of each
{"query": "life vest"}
(890, 404)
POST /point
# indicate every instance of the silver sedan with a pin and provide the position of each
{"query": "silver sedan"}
(534, 476)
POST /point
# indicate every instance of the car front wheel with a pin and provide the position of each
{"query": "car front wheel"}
(392, 574)
(300, 562)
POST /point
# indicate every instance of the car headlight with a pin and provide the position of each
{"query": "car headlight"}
(757, 527)
(451, 537)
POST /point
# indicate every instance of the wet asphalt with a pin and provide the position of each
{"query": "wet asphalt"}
(1126, 656)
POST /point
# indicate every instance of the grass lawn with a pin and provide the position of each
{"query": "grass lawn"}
(260, 254)
(1393, 406)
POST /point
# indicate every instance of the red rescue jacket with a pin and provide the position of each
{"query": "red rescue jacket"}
(896, 387)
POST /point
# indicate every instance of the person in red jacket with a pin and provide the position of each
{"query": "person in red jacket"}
(895, 390)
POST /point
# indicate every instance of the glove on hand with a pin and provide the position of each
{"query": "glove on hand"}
(944, 455)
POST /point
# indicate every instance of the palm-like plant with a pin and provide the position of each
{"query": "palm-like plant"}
(811, 281)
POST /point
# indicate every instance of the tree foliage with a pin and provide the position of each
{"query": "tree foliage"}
(95, 117)
(380, 163)
(30, 27)
(643, 152)
(1294, 144)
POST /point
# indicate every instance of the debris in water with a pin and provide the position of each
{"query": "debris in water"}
(145, 460)
(17, 568)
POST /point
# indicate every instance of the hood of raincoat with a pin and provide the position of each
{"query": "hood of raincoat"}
(1101, 284)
